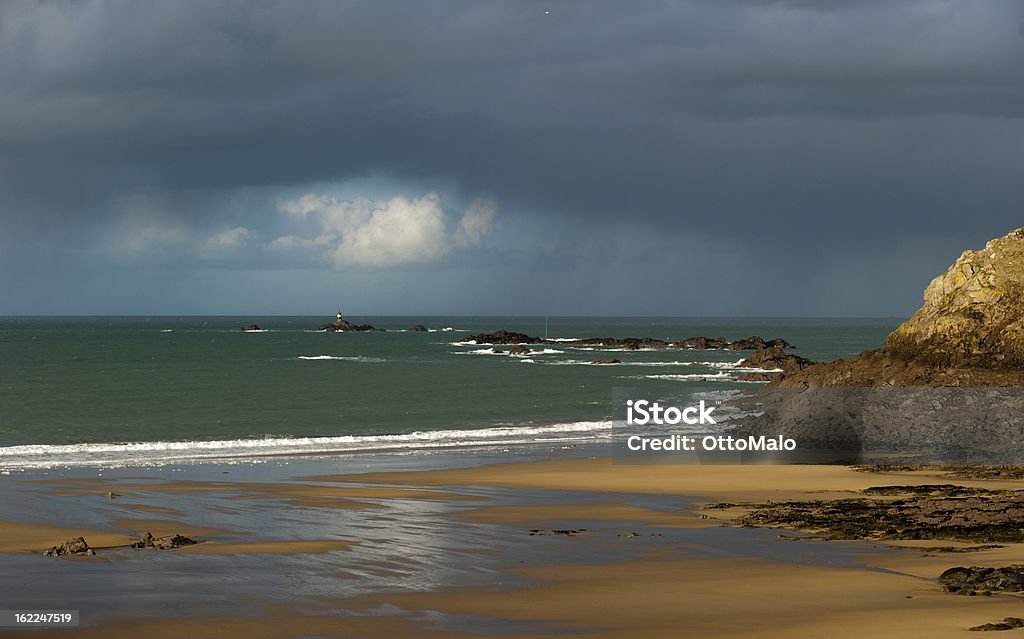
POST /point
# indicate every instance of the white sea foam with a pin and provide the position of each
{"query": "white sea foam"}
(167, 330)
(608, 349)
(344, 358)
(161, 453)
(499, 351)
(658, 364)
(576, 362)
(689, 377)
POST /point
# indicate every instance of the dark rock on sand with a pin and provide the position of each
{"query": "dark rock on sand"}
(983, 580)
(1008, 623)
(75, 546)
(568, 532)
(169, 542)
(922, 512)
(346, 326)
(419, 328)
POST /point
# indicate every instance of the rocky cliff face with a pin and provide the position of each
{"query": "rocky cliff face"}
(973, 314)
(969, 332)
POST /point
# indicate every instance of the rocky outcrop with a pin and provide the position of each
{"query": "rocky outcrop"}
(343, 326)
(983, 579)
(505, 338)
(519, 350)
(879, 368)
(774, 358)
(78, 545)
(969, 332)
(1008, 623)
(754, 342)
(628, 343)
(973, 314)
(75, 546)
(419, 328)
(937, 511)
(944, 388)
(169, 542)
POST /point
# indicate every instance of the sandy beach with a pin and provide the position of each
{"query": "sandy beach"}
(511, 550)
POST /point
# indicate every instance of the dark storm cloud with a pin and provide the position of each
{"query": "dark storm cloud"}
(832, 125)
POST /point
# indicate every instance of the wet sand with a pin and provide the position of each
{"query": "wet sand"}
(23, 537)
(647, 561)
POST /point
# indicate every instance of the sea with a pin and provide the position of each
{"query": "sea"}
(151, 391)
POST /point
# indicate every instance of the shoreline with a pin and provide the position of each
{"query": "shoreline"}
(524, 548)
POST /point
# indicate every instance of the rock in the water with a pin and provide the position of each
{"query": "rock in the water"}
(774, 358)
(419, 328)
(519, 350)
(342, 326)
(755, 377)
(75, 546)
(609, 360)
(756, 343)
(505, 338)
(509, 338)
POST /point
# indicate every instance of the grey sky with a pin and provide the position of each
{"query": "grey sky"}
(694, 158)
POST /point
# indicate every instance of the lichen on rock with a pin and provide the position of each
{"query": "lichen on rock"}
(973, 314)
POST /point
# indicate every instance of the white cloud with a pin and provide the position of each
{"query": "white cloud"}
(225, 243)
(229, 239)
(383, 233)
(146, 239)
(476, 223)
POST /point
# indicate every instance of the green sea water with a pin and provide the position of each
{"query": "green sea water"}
(69, 387)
